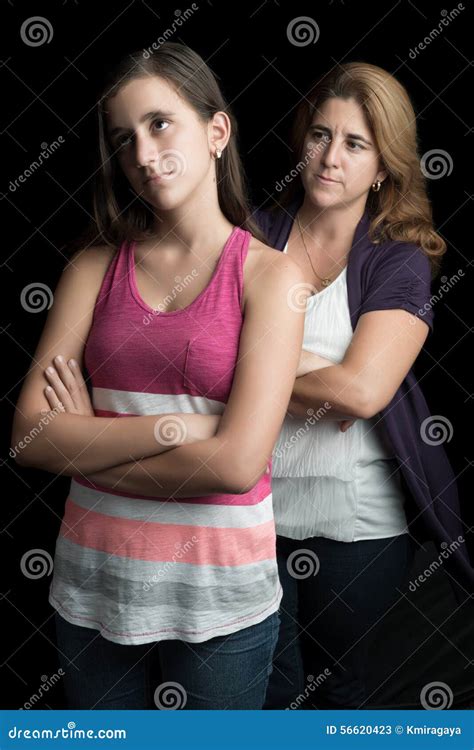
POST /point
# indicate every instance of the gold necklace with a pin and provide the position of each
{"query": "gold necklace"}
(326, 280)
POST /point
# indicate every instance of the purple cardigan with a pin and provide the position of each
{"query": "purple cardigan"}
(397, 275)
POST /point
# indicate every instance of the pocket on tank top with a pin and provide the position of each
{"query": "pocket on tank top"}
(208, 371)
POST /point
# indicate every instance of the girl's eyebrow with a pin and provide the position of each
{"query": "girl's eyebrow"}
(148, 116)
(353, 136)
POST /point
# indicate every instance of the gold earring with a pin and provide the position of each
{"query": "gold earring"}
(376, 186)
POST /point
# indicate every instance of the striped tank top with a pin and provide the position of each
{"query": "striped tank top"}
(142, 569)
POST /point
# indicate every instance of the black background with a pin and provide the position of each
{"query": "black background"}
(50, 91)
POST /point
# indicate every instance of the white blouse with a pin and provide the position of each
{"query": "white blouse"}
(344, 486)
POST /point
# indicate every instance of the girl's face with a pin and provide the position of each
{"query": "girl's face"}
(156, 134)
(340, 147)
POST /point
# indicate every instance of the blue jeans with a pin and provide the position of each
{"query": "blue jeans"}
(226, 672)
(331, 599)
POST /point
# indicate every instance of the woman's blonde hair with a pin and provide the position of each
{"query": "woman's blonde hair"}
(400, 210)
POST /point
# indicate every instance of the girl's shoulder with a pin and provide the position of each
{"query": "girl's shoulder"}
(267, 269)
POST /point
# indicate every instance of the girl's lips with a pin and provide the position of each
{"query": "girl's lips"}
(158, 177)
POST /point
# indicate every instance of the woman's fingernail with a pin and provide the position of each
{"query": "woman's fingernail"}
(59, 358)
(48, 388)
(50, 370)
(72, 362)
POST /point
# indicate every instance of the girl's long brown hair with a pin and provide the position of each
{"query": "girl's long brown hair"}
(118, 213)
(400, 210)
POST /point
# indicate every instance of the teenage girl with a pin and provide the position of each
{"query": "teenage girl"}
(180, 317)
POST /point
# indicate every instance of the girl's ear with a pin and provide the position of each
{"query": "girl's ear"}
(219, 131)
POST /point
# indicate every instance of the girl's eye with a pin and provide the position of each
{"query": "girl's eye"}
(122, 142)
(127, 139)
(159, 122)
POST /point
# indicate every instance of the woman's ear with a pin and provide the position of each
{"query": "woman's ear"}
(382, 175)
(219, 131)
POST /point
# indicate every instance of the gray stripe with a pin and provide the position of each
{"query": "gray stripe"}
(141, 571)
(77, 587)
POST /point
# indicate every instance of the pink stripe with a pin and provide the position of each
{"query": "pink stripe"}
(259, 492)
(106, 413)
(141, 540)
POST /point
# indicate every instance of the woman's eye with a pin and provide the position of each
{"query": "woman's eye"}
(355, 144)
(319, 134)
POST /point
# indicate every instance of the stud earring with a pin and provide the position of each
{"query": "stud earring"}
(218, 153)
(376, 186)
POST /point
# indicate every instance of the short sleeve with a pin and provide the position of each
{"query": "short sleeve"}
(400, 280)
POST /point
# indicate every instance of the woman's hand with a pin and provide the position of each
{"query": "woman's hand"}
(67, 389)
(309, 362)
(345, 424)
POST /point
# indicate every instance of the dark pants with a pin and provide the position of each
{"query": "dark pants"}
(333, 594)
(226, 672)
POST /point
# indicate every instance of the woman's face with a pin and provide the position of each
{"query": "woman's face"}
(156, 134)
(340, 147)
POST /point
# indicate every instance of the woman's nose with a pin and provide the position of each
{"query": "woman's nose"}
(331, 154)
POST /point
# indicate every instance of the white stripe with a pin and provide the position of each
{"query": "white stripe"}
(172, 511)
(134, 402)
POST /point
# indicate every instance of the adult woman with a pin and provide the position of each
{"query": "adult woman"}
(168, 535)
(349, 503)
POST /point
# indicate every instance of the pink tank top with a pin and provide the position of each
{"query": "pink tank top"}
(142, 570)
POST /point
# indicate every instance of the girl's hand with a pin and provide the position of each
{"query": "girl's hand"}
(68, 391)
(200, 426)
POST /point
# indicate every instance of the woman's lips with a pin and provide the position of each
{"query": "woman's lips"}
(326, 180)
